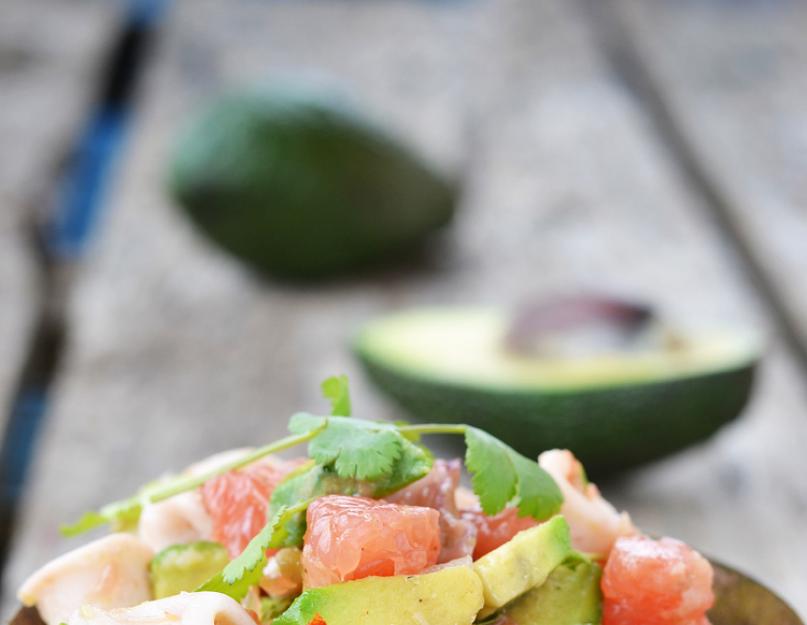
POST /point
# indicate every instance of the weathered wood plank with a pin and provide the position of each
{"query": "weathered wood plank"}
(566, 189)
(48, 55)
(733, 75)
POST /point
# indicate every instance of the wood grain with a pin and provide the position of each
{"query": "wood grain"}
(48, 60)
(733, 76)
(178, 352)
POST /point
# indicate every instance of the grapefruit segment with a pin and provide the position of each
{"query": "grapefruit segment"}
(649, 582)
(237, 501)
(438, 490)
(494, 531)
(351, 538)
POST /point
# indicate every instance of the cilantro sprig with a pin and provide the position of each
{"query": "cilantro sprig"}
(246, 570)
(348, 456)
(126, 512)
(347, 450)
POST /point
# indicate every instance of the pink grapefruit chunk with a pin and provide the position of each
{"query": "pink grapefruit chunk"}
(438, 490)
(237, 501)
(494, 531)
(355, 537)
(650, 582)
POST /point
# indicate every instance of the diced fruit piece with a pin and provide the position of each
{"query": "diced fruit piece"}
(438, 490)
(451, 596)
(354, 537)
(570, 596)
(656, 582)
(523, 562)
(595, 523)
(494, 531)
(185, 567)
(237, 501)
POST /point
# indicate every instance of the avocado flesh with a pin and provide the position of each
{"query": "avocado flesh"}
(449, 365)
(183, 568)
(300, 186)
(524, 562)
(570, 596)
(451, 596)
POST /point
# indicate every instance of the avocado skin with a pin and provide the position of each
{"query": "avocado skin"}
(301, 186)
(570, 596)
(609, 428)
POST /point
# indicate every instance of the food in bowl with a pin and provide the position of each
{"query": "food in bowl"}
(369, 528)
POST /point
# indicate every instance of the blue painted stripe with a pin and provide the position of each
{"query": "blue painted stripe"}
(73, 221)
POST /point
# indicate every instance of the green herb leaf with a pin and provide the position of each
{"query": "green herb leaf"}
(499, 474)
(493, 475)
(316, 481)
(246, 570)
(336, 390)
(122, 515)
(364, 450)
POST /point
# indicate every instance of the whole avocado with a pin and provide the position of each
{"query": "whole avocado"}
(299, 185)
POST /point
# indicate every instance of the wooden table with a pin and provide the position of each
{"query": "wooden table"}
(651, 147)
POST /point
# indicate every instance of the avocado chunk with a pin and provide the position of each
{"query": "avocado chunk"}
(451, 596)
(300, 185)
(185, 567)
(523, 562)
(453, 364)
(570, 596)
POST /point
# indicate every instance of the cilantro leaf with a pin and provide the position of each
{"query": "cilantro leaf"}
(499, 475)
(365, 450)
(493, 475)
(122, 515)
(336, 390)
(246, 570)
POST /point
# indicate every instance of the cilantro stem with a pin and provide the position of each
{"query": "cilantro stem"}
(434, 428)
(130, 508)
(185, 484)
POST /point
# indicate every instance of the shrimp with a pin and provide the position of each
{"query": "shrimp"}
(595, 524)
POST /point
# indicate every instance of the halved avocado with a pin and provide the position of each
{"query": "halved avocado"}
(614, 409)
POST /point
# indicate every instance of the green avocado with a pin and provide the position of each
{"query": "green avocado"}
(570, 596)
(300, 185)
(524, 562)
(451, 596)
(448, 364)
(185, 567)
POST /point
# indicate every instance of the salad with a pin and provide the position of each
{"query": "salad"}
(368, 528)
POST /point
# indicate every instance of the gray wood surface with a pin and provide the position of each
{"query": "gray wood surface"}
(178, 352)
(737, 86)
(48, 57)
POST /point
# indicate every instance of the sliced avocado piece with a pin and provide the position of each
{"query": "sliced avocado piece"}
(570, 596)
(451, 596)
(299, 184)
(523, 562)
(185, 567)
(453, 364)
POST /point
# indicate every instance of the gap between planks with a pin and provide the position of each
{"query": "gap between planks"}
(615, 40)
